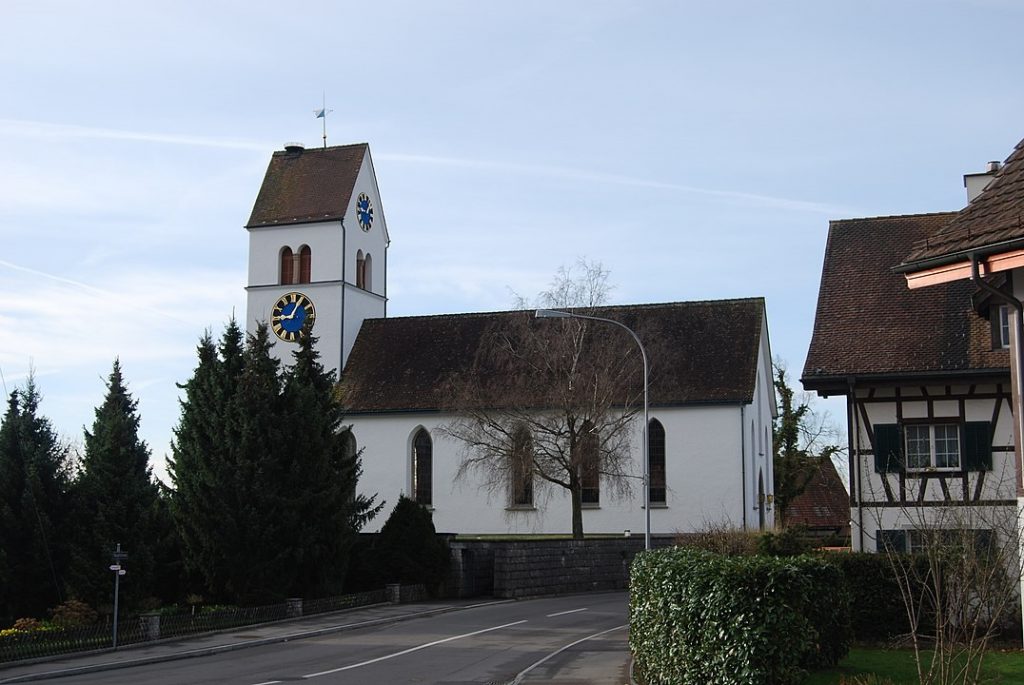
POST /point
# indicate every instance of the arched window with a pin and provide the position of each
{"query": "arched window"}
(422, 467)
(305, 264)
(521, 468)
(656, 462)
(367, 272)
(760, 500)
(287, 266)
(360, 270)
(589, 464)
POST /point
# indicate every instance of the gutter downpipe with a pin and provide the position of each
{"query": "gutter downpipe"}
(853, 448)
(743, 464)
(1017, 364)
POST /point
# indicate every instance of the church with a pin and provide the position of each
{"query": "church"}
(318, 242)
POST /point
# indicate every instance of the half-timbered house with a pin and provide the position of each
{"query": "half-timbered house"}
(926, 379)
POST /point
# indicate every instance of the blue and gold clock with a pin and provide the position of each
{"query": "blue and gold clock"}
(291, 313)
(364, 211)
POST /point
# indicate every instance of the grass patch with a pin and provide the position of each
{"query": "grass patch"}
(1001, 668)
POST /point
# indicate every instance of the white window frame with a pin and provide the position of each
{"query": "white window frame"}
(1004, 326)
(933, 444)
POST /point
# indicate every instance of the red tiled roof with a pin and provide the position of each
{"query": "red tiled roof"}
(307, 185)
(701, 352)
(869, 323)
(994, 217)
(824, 504)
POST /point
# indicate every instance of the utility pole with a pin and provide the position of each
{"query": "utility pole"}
(118, 556)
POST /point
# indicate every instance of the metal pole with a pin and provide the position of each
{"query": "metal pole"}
(118, 557)
(558, 314)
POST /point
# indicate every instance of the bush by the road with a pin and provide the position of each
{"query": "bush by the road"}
(698, 618)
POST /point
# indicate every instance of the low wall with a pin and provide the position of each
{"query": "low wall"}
(511, 569)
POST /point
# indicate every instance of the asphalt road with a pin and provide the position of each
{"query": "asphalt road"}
(566, 640)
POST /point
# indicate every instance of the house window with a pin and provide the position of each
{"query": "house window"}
(422, 467)
(521, 470)
(305, 263)
(656, 462)
(921, 540)
(287, 266)
(932, 446)
(917, 447)
(588, 461)
(1001, 327)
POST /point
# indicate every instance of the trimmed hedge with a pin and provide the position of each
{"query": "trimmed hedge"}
(698, 618)
(879, 614)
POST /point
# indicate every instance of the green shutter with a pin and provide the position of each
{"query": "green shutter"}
(977, 446)
(891, 541)
(888, 448)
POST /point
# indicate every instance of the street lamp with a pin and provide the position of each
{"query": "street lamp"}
(558, 314)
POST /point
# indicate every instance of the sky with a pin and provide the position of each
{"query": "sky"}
(697, 150)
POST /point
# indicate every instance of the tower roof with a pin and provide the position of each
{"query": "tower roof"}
(306, 185)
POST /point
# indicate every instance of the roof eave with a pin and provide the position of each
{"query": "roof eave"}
(839, 384)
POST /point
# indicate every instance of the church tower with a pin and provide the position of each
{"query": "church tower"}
(317, 249)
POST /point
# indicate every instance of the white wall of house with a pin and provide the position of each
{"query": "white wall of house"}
(902, 505)
(704, 478)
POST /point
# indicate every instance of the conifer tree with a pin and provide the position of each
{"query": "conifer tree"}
(116, 502)
(34, 475)
(201, 467)
(323, 471)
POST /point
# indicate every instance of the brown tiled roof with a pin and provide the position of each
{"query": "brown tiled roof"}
(307, 185)
(824, 504)
(869, 323)
(707, 353)
(995, 217)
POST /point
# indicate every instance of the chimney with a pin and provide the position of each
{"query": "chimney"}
(294, 148)
(975, 183)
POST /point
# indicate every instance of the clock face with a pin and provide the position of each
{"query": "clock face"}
(364, 211)
(291, 312)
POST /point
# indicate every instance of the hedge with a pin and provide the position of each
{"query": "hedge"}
(698, 618)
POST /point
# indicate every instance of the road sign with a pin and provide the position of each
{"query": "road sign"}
(115, 567)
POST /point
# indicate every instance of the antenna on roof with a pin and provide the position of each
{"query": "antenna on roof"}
(322, 114)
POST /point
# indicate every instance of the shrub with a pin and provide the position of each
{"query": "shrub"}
(73, 614)
(408, 549)
(720, 539)
(28, 625)
(698, 618)
(787, 542)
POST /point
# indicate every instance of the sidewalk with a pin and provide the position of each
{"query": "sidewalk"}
(225, 641)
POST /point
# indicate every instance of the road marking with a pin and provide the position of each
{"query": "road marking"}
(519, 678)
(269, 682)
(411, 649)
(563, 613)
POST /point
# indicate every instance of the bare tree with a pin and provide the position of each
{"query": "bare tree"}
(553, 400)
(958, 568)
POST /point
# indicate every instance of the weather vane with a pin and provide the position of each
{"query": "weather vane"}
(322, 114)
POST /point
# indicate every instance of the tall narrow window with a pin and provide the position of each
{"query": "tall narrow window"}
(422, 467)
(367, 272)
(521, 468)
(589, 465)
(305, 264)
(287, 266)
(656, 462)
(360, 270)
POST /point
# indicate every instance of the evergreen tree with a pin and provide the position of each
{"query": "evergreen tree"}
(34, 475)
(116, 502)
(323, 469)
(201, 466)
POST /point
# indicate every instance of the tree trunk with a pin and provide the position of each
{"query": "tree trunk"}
(576, 495)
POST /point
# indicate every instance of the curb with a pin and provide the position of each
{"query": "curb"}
(207, 651)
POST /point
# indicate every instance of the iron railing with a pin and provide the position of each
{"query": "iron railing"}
(133, 630)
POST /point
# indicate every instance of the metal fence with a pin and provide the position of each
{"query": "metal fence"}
(55, 641)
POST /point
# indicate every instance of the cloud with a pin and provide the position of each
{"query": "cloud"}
(43, 129)
(568, 173)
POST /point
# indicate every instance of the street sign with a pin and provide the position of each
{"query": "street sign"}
(121, 572)
(115, 567)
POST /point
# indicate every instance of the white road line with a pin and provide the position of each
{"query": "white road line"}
(269, 682)
(411, 649)
(563, 613)
(519, 678)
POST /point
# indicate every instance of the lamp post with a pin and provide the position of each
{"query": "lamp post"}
(558, 314)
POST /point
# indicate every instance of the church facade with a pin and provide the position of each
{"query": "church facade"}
(318, 248)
